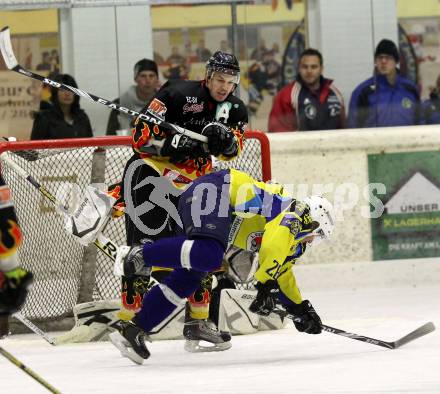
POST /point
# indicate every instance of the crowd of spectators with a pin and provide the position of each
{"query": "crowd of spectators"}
(385, 99)
(310, 102)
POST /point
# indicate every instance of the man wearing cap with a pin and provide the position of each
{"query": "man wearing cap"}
(136, 97)
(387, 98)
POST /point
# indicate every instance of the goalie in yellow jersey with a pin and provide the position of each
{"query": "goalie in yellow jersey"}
(207, 210)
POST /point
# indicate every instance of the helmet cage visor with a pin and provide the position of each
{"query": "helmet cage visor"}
(222, 69)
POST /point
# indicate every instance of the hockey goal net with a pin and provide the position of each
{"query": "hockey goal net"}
(67, 273)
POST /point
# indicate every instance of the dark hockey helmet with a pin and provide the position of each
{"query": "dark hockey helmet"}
(224, 63)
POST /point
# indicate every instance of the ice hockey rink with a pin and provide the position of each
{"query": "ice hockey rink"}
(283, 361)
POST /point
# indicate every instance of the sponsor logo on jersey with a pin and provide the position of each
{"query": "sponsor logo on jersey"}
(310, 111)
(253, 242)
(406, 103)
(191, 99)
(194, 108)
(335, 109)
(157, 108)
(333, 99)
(175, 176)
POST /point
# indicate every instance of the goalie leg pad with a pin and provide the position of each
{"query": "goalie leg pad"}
(236, 317)
(93, 321)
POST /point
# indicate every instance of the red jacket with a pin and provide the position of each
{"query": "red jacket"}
(297, 108)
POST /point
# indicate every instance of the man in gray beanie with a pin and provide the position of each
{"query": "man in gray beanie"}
(387, 98)
(136, 97)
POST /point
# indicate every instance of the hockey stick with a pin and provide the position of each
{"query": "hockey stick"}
(417, 333)
(34, 328)
(12, 64)
(29, 371)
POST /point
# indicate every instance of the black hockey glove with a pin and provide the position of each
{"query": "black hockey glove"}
(310, 321)
(221, 140)
(266, 299)
(13, 289)
(179, 147)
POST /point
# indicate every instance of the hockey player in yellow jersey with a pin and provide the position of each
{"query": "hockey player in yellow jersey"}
(207, 210)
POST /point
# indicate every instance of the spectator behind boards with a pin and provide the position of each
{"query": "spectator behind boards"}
(136, 97)
(387, 98)
(431, 107)
(63, 118)
(311, 102)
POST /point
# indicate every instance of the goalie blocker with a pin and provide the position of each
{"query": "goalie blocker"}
(89, 216)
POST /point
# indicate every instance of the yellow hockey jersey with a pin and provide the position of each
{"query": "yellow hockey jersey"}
(269, 220)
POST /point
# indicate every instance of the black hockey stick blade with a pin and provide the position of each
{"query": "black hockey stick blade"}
(417, 333)
(12, 64)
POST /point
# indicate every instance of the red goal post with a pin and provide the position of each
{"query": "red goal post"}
(67, 273)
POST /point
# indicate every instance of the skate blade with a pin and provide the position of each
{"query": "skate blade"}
(124, 347)
(194, 346)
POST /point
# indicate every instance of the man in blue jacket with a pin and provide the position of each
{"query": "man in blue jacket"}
(387, 98)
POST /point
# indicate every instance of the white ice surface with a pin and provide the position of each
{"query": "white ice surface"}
(269, 362)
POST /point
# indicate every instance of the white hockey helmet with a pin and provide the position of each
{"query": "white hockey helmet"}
(321, 211)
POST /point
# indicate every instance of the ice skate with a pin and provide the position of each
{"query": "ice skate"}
(196, 330)
(130, 340)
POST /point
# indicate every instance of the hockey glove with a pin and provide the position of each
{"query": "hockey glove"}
(221, 140)
(266, 299)
(14, 286)
(310, 322)
(179, 147)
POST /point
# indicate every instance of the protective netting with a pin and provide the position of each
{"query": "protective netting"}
(67, 273)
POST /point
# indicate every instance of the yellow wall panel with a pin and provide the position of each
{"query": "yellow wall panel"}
(421, 8)
(27, 22)
(176, 17)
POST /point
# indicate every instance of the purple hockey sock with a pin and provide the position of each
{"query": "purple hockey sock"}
(201, 254)
(162, 299)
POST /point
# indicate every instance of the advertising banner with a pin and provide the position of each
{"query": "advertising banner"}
(410, 224)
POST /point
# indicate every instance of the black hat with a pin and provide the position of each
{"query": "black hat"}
(387, 47)
(145, 65)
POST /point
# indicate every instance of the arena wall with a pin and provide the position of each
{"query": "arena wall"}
(336, 163)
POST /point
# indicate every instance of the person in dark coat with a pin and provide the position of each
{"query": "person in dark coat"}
(431, 107)
(64, 118)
